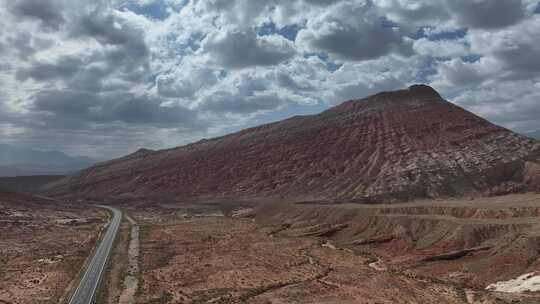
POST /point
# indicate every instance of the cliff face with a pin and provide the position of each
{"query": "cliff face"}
(396, 145)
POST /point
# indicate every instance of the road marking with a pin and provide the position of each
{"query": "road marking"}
(97, 264)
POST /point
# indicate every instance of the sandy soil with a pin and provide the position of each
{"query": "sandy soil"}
(223, 260)
(42, 247)
(424, 252)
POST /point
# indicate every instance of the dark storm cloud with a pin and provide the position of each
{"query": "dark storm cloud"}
(48, 12)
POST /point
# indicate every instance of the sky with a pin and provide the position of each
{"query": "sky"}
(104, 78)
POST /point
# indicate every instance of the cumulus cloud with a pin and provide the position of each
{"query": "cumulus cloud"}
(104, 77)
(351, 31)
(48, 12)
(441, 48)
(226, 102)
(482, 14)
(487, 14)
(236, 49)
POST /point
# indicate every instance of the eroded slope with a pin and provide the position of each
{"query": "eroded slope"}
(471, 243)
(391, 146)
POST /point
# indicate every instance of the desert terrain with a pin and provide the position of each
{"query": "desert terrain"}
(43, 247)
(451, 251)
(400, 197)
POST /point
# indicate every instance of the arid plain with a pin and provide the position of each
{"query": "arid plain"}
(447, 251)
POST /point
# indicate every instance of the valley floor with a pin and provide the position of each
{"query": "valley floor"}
(274, 253)
(42, 247)
(427, 252)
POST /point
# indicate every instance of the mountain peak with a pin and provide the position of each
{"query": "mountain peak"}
(398, 145)
(414, 92)
(417, 95)
(423, 90)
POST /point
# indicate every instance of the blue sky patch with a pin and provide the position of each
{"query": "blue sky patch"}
(330, 64)
(289, 32)
(387, 23)
(155, 10)
(471, 58)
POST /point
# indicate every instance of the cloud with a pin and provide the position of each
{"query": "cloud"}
(64, 67)
(512, 104)
(413, 14)
(186, 81)
(486, 14)
(441, 48)
(514, 47)
(350, 31)
(103, 77)
(459, 74)
(476, 14)
(321, 2)
(127, 108)
(225, 102)
(47, 12)
(237, 49)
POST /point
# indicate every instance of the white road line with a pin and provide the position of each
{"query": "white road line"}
(91, 277)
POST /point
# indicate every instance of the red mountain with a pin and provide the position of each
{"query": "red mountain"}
(396, 145)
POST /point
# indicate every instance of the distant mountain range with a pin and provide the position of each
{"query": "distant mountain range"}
(16, 161)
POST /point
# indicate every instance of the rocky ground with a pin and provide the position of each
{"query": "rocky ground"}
(426, 252)
(42, 247)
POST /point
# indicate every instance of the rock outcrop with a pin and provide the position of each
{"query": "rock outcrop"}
(397, 145)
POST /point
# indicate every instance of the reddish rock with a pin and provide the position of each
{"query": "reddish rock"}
(396, 145)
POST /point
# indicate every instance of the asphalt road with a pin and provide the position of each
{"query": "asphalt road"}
(85, 292)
